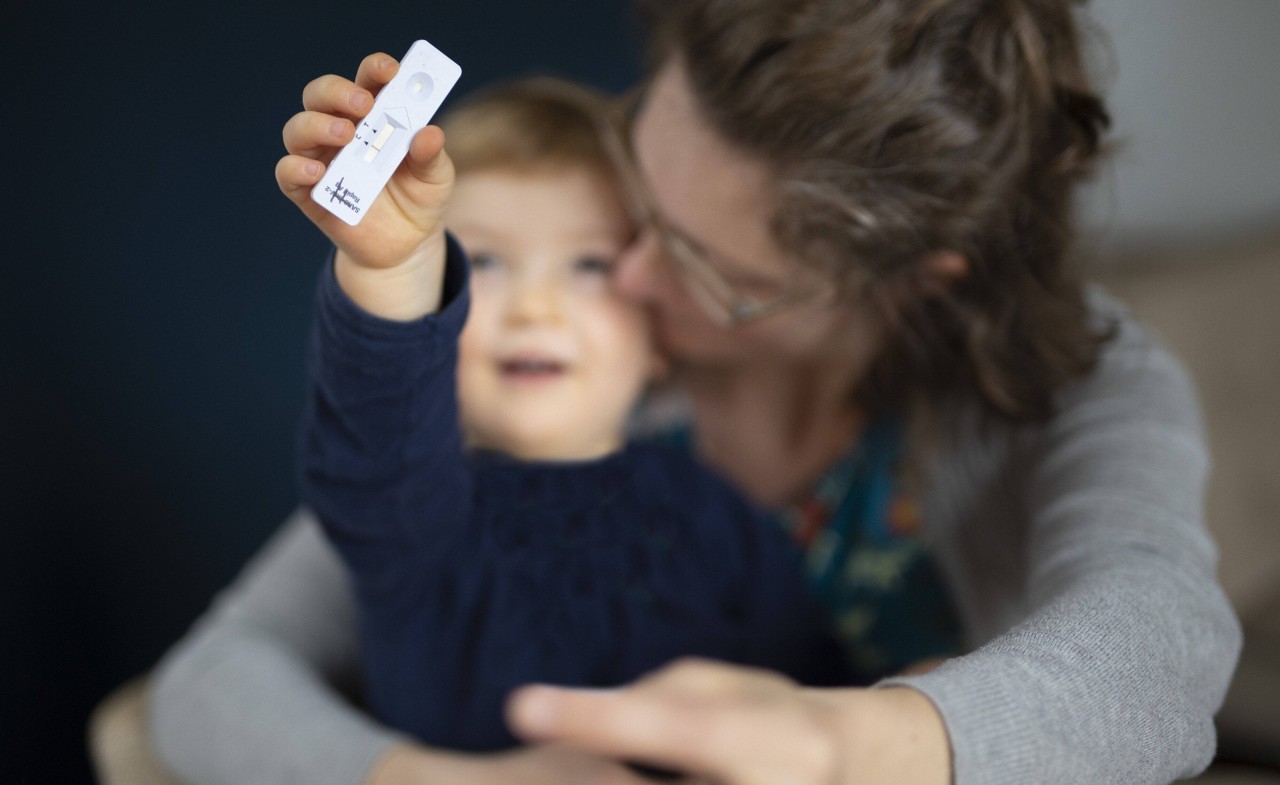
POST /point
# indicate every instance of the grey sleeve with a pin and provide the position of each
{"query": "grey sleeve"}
(1117, 660)
(249, 695)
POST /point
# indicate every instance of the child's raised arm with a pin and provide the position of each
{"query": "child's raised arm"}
(392, 262)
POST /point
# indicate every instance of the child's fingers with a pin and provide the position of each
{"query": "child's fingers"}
(330, 94)
(297, 175)
(315, 134)
(375, 71)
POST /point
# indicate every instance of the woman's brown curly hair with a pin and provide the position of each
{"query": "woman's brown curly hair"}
(896, 128)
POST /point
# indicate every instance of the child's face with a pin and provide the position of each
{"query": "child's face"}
(551, 359)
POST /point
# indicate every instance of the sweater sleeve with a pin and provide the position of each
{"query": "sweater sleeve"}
(380, 452)
(1126, 642)
(257, 691)
(253, 693)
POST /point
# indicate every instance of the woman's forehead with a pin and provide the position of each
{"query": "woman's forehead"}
(714, 192)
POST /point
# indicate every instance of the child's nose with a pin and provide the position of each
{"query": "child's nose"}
(534, 301)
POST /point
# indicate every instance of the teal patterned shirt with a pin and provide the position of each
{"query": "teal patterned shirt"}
(868, 559)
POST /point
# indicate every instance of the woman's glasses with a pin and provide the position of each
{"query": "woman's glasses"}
(727, 298)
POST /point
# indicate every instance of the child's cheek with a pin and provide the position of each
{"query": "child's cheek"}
(472, 342)
(632, 347)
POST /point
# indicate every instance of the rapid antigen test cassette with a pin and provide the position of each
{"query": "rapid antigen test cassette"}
(405, 105)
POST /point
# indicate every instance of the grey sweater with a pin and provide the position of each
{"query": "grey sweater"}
(1101, 643)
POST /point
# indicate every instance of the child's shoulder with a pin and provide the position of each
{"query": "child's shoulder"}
(665, 470)
(681, 499)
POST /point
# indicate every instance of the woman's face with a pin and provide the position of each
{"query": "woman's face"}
(720, 199)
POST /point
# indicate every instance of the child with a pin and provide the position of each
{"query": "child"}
(513, 535)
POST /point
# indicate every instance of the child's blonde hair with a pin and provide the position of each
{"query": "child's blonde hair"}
(533, 125)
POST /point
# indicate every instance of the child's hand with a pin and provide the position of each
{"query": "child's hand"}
(402, 234)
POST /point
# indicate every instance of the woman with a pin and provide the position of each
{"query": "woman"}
(860, 212)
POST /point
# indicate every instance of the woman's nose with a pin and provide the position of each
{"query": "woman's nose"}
(641, 267)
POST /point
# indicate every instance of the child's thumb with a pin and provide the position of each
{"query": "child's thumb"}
(427, 160)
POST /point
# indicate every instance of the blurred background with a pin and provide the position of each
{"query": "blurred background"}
(154, 305)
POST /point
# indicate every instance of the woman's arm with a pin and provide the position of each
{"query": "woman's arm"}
(251, 695)
(1114, 643)
(1118, 648)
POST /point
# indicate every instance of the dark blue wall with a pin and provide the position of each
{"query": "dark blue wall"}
(154, 299)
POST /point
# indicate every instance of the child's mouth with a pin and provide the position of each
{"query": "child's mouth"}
(531, 370)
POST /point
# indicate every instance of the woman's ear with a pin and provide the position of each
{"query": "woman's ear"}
(930, 278)
(941, 270)
(659, 367)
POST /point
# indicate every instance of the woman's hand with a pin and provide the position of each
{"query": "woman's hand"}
(740, 726)
(532, 765)
(398, 246)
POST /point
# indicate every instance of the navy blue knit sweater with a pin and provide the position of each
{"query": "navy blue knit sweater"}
(476, 573)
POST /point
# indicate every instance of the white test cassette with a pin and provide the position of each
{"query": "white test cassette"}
(405, 106)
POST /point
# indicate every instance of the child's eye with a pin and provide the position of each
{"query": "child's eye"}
(484, 261)
(594, 265)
